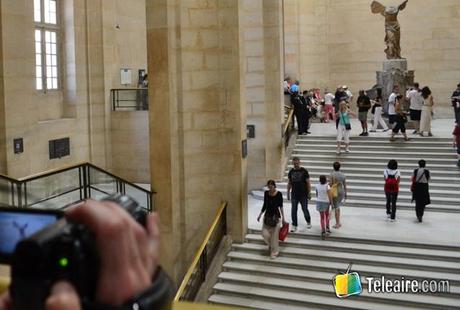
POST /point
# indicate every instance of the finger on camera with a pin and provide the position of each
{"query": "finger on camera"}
(63, 296)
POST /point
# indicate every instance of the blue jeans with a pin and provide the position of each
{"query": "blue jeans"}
(294, 204)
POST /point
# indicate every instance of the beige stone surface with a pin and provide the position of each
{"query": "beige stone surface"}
(330, 43)
(194, 49)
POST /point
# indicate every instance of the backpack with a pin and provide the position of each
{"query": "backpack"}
(391, 184)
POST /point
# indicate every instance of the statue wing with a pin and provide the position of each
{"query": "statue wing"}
(377, 7)
(402, 6)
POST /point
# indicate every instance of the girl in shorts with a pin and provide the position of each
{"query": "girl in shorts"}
(323, 201)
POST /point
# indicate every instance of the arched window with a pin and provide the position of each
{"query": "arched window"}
(46, 44)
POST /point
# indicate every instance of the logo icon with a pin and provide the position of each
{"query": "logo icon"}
(347, 284)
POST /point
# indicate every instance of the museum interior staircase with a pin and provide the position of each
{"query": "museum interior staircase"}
(301, 277)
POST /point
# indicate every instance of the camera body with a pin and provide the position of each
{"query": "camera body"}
(61, 251)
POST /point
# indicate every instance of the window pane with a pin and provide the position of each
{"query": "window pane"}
(47, 36)
(38, 84)
(54, 60)
(48, 48)
(53, 37)
(38, 71)
(48, 60)
(50, 11)
(49, 83)
(54, 72)
(55, 84)
(48, 72)
(53, 49)
(38, 48)
(38, 35)
(38, 59)
(37, 9)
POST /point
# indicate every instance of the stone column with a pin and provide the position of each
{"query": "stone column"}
(197, 122)
(274, 98)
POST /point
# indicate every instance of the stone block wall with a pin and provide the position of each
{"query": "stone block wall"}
(342, 42)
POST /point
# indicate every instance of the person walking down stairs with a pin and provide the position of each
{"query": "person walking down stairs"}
(392, 177)
(323, 201)
(420, 190)
(272, 210)
(299, 183)
(343, 127)
(338, 192)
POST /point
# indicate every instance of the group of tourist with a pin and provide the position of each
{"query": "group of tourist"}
(330, 195)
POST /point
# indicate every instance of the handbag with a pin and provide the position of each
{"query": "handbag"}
(347, 125)
(283, 232)
(334, 189)
(270, 221)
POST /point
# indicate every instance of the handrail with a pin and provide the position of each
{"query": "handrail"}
(200, 251)
(19, 187)
(288, 121)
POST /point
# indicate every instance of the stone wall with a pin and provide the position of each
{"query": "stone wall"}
(130, 145)
(93, 51)
(198, 89)
(341, 42)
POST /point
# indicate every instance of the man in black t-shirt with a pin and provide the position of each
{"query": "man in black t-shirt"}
(299, 184)
(364, 104)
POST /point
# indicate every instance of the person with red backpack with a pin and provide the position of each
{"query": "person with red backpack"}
(392, 177)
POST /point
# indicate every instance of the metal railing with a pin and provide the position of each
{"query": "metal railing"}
(288, 128)
(196, 274)
(129, 99)
(59, 188)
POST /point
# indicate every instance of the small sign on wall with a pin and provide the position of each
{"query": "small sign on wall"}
(125, 76)
(18, 146)
(244, 148)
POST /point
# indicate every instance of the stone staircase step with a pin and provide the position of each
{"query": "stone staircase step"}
(378, 201)
(356, 258)
(375, 249)
(374, 139)
(300, 299)
(375, 170)
(409, 166)
(353, 184)
(379, 177)
(426, 244)
(404, 187)
(373, 148)
(387, 153)
(334, 267)
(414, 300)
(303, 275)
(375, 158)
(252, 303)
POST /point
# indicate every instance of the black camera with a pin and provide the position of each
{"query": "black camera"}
(60, 251)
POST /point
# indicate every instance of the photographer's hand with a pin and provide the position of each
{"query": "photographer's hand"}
(129, 253)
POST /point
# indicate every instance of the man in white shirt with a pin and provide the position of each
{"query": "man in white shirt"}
(391, 105)
(348, 92)
(416, 103)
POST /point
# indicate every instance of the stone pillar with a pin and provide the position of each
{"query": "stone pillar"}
(197, 122)
(3, 166)
(274, 98)
(394, 73)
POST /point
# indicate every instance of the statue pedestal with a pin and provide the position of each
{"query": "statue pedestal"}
(394, 73)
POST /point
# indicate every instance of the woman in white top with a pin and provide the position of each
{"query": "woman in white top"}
(344, 126)
(427, 110)
(392, 177)
(323, 201)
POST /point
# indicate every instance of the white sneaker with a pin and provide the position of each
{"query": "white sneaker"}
(308, 225)
(388, 216)
(347, 150)
(392, 220)
(293, 228)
